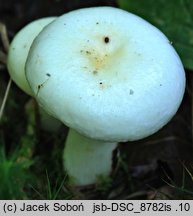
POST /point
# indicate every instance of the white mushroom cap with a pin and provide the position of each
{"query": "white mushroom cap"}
(106, 73)
(19, 49)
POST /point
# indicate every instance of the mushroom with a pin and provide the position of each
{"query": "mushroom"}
(19, 49)
(110, 76)
(17, 55)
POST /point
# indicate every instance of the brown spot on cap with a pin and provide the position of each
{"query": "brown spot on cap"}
(106, 39)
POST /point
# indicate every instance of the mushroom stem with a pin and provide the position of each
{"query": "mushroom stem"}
(86, 159)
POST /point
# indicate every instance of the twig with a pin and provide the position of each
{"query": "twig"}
(4, 37)
(3, 57)
(5, 98)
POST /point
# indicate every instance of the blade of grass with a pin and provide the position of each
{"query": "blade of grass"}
(59, 189)
(188, 171)
(38, 193)
(49, 192)
(5, 98)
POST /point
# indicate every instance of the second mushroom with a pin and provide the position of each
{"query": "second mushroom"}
(108, 75)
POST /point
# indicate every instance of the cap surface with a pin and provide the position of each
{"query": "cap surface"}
(106, 73)
(19, 49)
